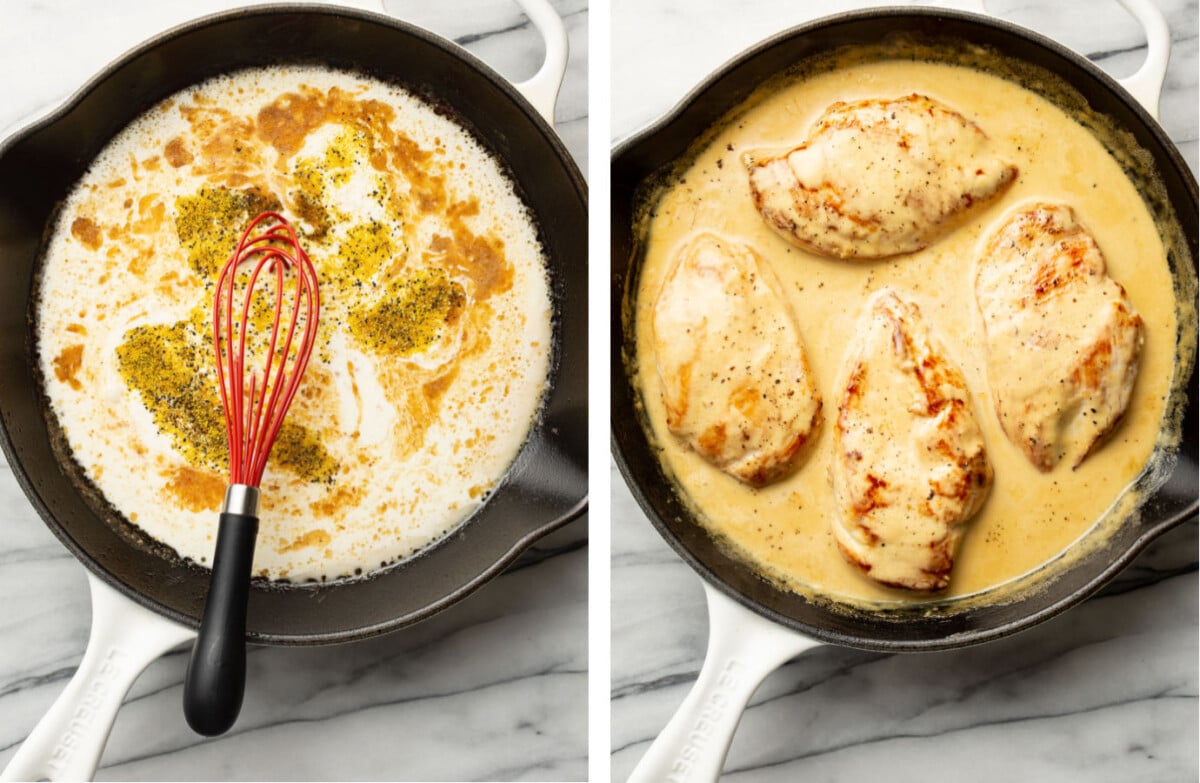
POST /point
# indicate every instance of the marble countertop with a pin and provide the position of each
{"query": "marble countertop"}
(1105, 692)
(495, 688)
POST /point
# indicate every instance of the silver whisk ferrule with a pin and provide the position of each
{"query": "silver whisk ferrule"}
(241, 499)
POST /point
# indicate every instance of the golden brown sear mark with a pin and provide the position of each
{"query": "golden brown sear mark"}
(1063, 339)
(876, 178)
(910, 465)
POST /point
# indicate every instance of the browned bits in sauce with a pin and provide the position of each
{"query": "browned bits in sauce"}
(286, 123)
(477, 257)
(338, 498)
(67, 364)
(226, 153)
(317, 537)
(177, 153)
(313, 212)
(197, 490)
(87, 232)
(437, 387)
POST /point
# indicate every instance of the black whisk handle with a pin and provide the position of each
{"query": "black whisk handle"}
(216, 674)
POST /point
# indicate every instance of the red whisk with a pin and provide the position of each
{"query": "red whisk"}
(256, 396)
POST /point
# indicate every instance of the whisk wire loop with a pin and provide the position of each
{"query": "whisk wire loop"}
(255, 404)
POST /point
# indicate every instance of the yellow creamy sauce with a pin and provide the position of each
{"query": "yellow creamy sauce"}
(1029, 517)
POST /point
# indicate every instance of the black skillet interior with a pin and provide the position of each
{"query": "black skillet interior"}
(546, 486)
(634, 167)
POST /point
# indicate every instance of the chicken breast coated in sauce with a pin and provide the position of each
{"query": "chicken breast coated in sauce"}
(734, 374)
(909, 465)
(877, 178)
(1063, 339)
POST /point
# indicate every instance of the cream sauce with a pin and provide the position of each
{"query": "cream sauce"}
(390, 196)
(1029, 517)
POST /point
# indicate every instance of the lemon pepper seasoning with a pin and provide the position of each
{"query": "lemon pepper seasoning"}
(310, 175)
(412, 314)
(169, 366)
(210, 221)
(362, 255)
(165, 365)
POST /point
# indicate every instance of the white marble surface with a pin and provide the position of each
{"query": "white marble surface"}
(1105, 692)
(493, 689)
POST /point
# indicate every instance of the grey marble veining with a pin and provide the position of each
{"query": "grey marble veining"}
(493, 689)
(1105, 692)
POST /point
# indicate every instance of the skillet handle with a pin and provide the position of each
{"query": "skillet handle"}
(68, 741)
(1146, 84)
(542, 88)
(743, 648)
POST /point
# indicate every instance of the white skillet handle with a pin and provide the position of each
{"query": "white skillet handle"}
(743, 648)
(542, 88)
(1146, 85)
(67, 743)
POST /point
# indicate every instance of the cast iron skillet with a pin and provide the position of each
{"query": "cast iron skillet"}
(754, 626)
(634, 166)
(546, 486)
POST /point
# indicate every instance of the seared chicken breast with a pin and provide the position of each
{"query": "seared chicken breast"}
(877, 178)
(909, 466)
(734, 373)
(1063, 339)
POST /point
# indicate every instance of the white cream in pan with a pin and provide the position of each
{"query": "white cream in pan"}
(1029, 517)
(434, 342)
